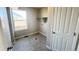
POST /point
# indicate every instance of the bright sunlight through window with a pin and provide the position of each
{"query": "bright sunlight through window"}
(20, 21)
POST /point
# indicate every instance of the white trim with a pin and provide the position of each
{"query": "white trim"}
(42, 34)
(26, 35)
(30, 34)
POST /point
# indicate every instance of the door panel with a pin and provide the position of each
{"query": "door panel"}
(67, 22)
(66, 28)
(64, 25)
(58, 19)
(76, 32)
(62, 20)
(76, 37)
(68, 42)
(72, 27)
(59, 45)
(54, 29)
(55, 19)
(54, 42)
(73, 21)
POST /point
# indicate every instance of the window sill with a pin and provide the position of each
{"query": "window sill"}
(20, 30)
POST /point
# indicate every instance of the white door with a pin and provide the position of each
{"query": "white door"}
(63, 28)
(2, 45)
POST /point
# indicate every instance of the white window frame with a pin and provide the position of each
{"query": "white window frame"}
(24, 20)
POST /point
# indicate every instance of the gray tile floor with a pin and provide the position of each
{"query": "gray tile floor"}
(35, 42)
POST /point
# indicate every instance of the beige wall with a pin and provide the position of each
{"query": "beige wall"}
(45, 28)
(43, 12)
(31, 22)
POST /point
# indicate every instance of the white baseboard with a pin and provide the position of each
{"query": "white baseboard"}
(30, 34)
(26, 35)
(42, 33)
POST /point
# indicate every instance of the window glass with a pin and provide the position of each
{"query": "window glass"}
(20, 20)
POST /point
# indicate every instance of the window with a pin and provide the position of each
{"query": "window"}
(19, 17)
